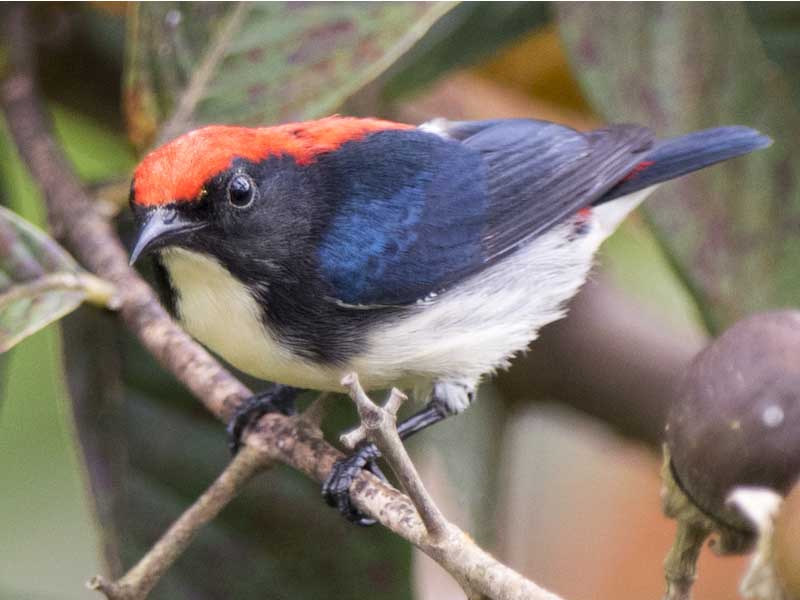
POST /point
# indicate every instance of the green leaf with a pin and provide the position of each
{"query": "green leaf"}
(778, 26)
(258, 63)
(44, 514)
(638, 264)
(96, 153)
(467, 34)
(731, 230)
(3, 373)
(39, 281)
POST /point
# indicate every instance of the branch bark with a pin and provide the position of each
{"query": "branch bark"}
(296, 442)
(92, 238)
(379, 426)
(95, 244)
(142, 578)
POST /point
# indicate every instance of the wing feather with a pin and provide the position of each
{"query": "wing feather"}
(433, 209)
(539, 173)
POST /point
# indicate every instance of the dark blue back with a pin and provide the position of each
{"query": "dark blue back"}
(410, 218)
(414, 213)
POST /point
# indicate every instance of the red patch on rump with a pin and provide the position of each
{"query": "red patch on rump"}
(177, 171)
(638, 169)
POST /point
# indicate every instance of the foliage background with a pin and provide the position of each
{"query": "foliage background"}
(554, 493)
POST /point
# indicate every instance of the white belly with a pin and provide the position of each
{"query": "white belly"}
(464, 333)
(475, 328)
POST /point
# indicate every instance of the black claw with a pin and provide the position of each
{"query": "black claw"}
(280, 399)
(336, 489)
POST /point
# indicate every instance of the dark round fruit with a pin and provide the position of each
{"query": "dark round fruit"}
(736, 418)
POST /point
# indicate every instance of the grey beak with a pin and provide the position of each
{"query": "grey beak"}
(158, 229)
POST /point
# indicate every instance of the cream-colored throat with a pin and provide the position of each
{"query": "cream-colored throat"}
(216, 308)
(221, 312)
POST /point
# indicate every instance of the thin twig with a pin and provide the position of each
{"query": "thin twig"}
(315, 412)
(680, 566)
(442, 540)
(379, 426)
(475, 569)
(181, 119)
(295, 442)
(137, 583)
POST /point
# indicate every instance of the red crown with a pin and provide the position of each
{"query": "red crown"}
(177, 171)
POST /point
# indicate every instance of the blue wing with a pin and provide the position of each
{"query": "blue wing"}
(419, 212)
(407, 224)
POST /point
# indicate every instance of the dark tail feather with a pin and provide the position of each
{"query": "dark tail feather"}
(678, 156)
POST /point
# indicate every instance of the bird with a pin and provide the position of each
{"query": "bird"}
(420, 257)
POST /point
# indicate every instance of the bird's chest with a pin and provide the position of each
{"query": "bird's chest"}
(220, 312)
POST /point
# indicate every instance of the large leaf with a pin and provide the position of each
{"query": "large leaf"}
(39, 281)
(732, 229)
(258, 63)
(778, 25)
(45, 515)
(469, 33)
(3, 357)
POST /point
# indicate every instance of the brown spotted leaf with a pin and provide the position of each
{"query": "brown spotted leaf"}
(258, 63)
(39, 281)
(731, 229)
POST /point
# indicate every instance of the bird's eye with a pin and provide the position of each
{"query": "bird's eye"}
(241, 191)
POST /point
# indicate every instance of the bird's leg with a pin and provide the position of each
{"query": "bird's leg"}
(448, 398)
(278, 398)
(336, 489)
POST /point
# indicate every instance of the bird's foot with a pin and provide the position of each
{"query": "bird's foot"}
(336, 489)
(279, 398)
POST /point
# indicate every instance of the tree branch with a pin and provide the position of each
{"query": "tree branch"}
(296, 442)
(442, 540)
(142, 578)
(92, 239)
(379, 426)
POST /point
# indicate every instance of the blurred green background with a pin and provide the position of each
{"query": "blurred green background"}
(537, 470)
